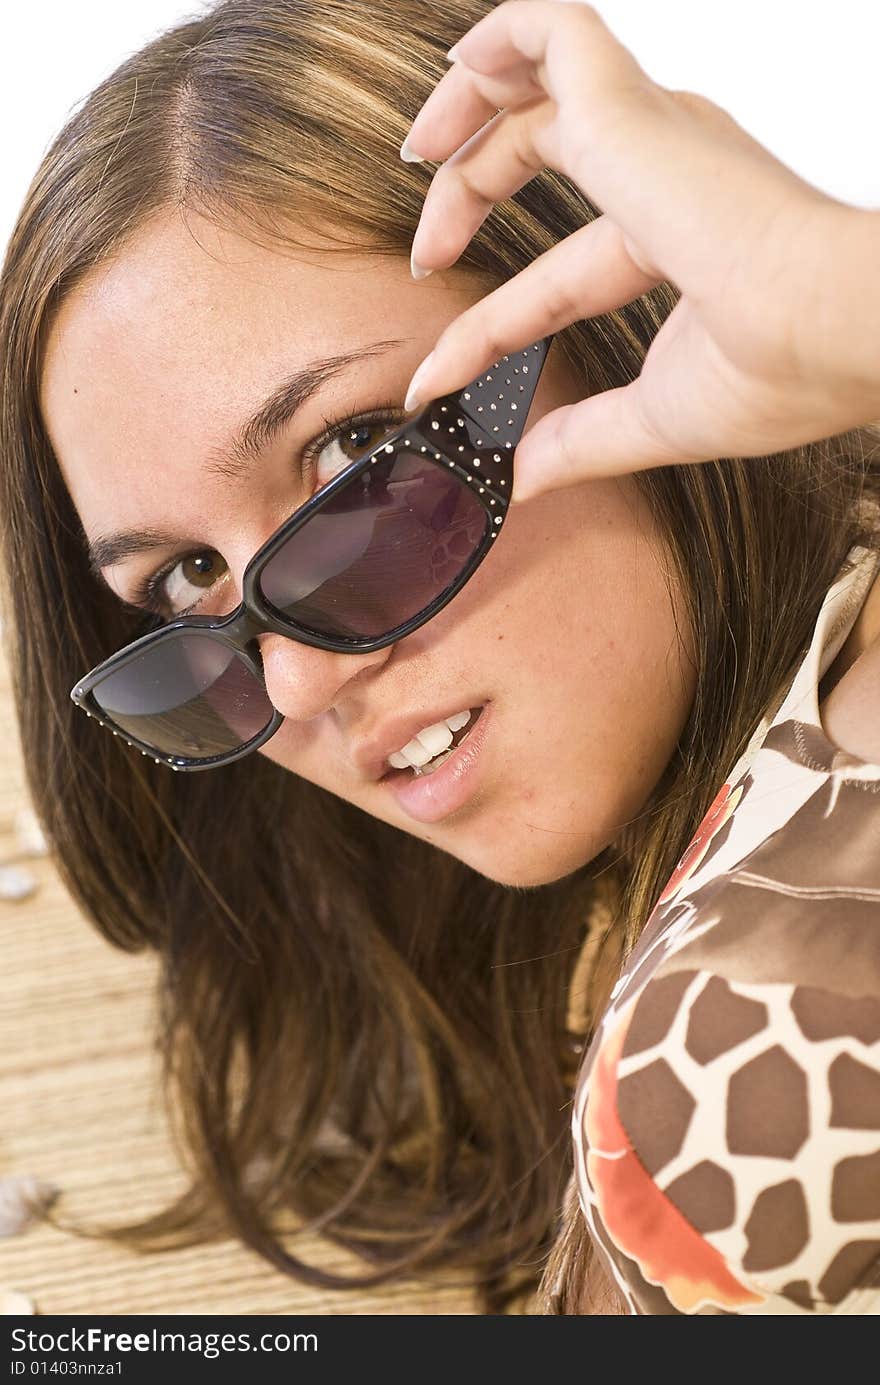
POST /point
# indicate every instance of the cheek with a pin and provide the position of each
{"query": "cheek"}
(596, 685)
(571, 626)
(580, 572)
(295, 748)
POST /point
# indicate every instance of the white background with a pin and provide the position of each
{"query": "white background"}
(800, 75)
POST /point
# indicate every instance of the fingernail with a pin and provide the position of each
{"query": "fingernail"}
(413, 398)
(453, 53)
(520, 490)
(416, 269)
(407, 154)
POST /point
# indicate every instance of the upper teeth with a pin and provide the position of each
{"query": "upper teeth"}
(428, 743)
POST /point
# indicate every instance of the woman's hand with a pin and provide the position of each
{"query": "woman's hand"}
(762, 351)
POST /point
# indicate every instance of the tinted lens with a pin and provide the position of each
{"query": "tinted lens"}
(186, 695)
(380, 551)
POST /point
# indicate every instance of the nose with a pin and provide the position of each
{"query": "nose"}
(303, 681)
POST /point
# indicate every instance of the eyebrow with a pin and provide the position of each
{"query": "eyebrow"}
(232, 460)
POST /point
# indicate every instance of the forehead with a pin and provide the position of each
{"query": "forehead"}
(185, 297)
(153, 361)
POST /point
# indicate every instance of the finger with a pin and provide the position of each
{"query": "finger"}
(605, 435)
(520, 50)
(502, 157)
(459, 105)
(589, 273)
(485, 161)
(464, 99)
(647, 156)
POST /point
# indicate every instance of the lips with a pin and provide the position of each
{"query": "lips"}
(435, 797)
(370, 755)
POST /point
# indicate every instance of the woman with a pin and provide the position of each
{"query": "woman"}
(370, 1014)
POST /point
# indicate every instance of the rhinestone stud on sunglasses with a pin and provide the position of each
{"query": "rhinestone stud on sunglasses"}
(374, 554)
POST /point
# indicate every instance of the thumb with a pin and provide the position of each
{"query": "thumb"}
(605, 435)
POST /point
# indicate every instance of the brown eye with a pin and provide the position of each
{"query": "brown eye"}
(189, 579)
(348, 443)
(201, 569)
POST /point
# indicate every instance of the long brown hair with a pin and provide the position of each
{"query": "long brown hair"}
(355, 1027)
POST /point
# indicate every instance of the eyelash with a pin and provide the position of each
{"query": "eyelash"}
(146, 594)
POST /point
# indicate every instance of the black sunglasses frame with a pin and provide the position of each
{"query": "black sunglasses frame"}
(482, 459)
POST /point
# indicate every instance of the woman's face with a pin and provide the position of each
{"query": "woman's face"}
(567, 631)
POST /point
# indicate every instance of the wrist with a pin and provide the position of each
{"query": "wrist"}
(843, 337)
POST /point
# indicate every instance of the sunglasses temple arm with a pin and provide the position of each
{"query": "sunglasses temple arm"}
(514, 380)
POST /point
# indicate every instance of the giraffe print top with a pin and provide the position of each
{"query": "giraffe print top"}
(726, 1117)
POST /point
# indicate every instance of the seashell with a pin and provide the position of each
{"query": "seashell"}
(12, 1303)
(29, 833)
(16, 883)
(19, 1197)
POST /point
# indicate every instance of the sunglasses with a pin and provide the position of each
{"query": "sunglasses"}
(373, 555)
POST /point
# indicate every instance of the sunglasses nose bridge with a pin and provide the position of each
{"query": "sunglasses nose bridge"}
(253, 622)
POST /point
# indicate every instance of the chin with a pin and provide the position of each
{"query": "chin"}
(526, 864)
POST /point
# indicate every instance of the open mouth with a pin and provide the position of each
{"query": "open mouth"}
(432, 765)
